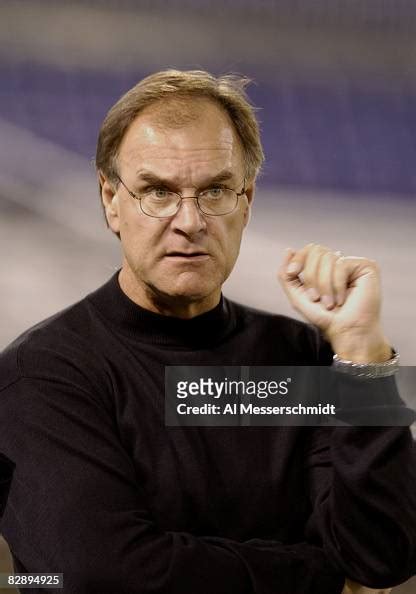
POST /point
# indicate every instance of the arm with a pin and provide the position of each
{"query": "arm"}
(77, 506)
(364, 497)
(363, 479)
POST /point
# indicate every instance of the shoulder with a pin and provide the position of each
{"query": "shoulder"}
(253, 317)
(300, 341)
(59, 347)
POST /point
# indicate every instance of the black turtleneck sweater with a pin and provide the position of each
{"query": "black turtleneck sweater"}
(104, 492)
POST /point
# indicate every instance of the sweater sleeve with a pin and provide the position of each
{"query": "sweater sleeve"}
(77, 507)
(363, 491)
(362, 481)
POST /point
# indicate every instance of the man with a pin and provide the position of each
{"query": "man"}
(103, 490)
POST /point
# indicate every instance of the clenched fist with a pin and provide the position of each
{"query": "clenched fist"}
(341, 296)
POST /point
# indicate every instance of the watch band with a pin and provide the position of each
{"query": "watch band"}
(367, 370)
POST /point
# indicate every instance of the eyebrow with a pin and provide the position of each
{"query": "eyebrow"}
(151, 178)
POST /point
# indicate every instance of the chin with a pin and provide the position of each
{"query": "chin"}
(192, 285)
(190, 294)
(187, 292)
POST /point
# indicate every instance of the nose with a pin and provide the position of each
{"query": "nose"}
(189, 219)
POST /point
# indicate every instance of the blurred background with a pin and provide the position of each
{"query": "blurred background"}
(335, 81)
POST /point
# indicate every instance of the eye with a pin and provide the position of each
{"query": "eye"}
(160, 193)
(156, 193)
(213, 193)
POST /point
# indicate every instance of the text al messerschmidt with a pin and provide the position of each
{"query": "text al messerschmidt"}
(251, 409)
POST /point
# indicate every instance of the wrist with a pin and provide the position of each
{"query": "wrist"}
(362, 347)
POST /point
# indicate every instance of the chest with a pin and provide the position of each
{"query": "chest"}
(237, 482)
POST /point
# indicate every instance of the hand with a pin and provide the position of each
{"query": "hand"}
(354, 588)
(340, 295)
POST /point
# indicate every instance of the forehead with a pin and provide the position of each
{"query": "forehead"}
(199, 140)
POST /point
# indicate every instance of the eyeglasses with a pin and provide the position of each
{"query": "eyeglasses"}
(161, 203)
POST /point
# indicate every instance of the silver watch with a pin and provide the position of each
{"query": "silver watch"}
(367, 370)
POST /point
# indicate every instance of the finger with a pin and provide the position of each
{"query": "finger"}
(289, 253)
(310, 271)
(324, 280)
(282, 273)
(297, 263)
(358, 267)
(340, 281)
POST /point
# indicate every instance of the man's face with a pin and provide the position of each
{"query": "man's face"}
(178, 264)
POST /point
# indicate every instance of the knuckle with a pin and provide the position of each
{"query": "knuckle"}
(313, 249)
(320, 249)
(328, 255)
(373, 265)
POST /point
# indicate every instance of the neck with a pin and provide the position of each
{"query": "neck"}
(178, 306)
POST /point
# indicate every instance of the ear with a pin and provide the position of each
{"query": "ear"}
(250, 197)
(109, 199)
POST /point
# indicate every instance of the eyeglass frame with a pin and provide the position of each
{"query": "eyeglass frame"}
(139, 199)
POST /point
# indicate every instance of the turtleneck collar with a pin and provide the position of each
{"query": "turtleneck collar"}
(143, 325)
